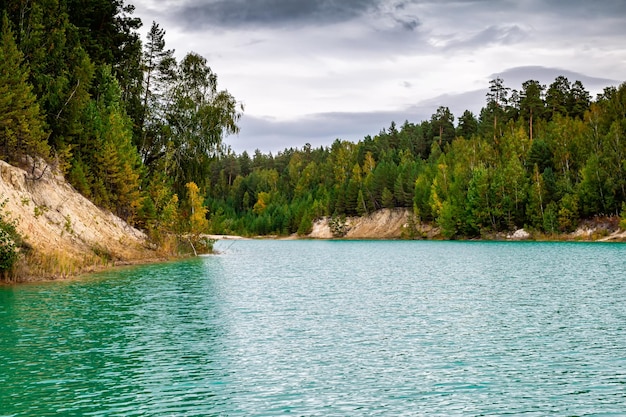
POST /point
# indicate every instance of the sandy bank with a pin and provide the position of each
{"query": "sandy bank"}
(399, 224)
(224, 237)
(65, 232)
(382, 224)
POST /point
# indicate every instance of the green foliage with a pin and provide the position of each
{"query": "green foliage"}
(448, 220)
(593, 188)
(106, 165)
(550, 218)
(40, 210)
(622, 217)
(480, 200)
(198, 116)
(531, 103)
(387, 198)
(338, 226)
(77, 176)
(306, 225)
(468, 125)
(9, 241)
(568, 213)
(8, 252)
(128, 127)
(361, 207)
(198, 222)
(159, 71)
(67, 225)
(494, 179)
(21, 125)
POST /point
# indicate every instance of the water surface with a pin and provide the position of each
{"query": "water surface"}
(327, 328)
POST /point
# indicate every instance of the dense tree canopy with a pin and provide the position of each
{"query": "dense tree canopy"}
(21, 125)
(544, 159)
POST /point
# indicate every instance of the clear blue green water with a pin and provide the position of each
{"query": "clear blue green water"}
(327, 328)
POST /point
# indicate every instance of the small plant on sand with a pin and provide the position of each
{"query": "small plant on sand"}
(102, 253)
(338, 226)
(205, 245)
(67, 226)
(411, 230)
(39, 210)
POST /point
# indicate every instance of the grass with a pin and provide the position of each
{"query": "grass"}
(35, 265)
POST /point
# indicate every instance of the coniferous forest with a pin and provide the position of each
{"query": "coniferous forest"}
(140, 133)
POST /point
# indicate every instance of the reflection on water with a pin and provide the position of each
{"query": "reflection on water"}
(327, 329)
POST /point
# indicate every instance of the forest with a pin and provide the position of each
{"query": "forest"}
(542, 157)
(141, 133)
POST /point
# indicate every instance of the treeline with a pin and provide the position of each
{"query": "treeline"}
(129, 126)
(542, 158)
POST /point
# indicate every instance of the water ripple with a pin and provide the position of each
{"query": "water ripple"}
(270, 328)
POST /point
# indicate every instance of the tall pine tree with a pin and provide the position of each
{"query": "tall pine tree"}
(21, 125)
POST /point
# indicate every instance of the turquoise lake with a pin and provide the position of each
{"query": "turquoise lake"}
(327, 328)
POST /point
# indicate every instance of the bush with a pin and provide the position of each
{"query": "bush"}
(622, 217)
(10, 240)
(8, 252)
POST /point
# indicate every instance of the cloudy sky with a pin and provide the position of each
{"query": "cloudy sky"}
(312, 71)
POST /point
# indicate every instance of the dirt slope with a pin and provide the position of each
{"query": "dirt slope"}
(68, 234)
(382, 224)
(396, 224)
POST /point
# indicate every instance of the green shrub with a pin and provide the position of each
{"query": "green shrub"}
(10, 240)
(622, 217)
(8, 252)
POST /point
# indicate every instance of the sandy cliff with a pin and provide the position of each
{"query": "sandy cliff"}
(66, 232)
(382, 224)
(397, 224)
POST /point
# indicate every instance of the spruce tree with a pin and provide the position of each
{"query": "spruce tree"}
(21, 125)
(159, 67)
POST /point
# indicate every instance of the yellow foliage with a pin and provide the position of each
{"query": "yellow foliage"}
(197, 220)
(262, 202)
(369, 163)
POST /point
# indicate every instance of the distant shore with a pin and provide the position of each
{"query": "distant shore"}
(224, 237)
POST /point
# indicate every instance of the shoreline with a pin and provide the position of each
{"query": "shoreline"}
(590, 235)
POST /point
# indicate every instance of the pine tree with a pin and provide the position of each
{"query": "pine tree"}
(159, 67)
(387, 198)
(531, 103)
(110, 166)
(21, 125)
(60, 70)
(361, 207)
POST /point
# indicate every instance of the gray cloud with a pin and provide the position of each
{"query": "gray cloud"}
(475, 100)
(457, 103)
(198, 15)
(271, 13)
(505, 35)
(581, 8)
(319, 129)
(409, 23)
(322, 129)
(514, 77)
